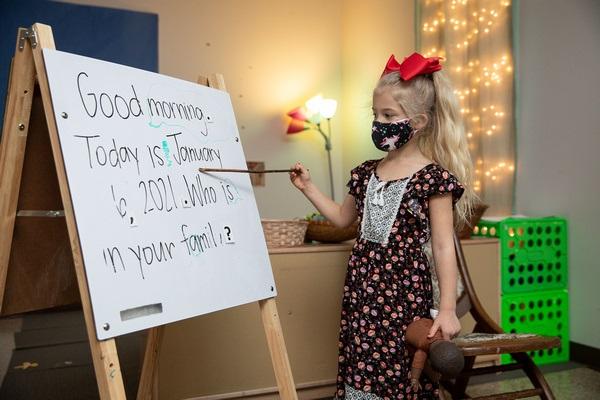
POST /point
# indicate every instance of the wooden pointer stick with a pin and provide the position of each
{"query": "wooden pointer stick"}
(248, 171)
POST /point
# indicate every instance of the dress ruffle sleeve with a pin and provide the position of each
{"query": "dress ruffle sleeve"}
(353, 182)
(359, 176)
(437, 181)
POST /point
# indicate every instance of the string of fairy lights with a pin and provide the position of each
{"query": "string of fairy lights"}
(459, 31)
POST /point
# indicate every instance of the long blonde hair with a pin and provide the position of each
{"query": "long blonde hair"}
(443, 138)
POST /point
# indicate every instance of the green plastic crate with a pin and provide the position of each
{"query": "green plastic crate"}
(543, 313)
(534, 252)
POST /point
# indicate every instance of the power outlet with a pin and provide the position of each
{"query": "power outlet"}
(256, 179)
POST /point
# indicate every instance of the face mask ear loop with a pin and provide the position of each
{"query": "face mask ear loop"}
(414, 129)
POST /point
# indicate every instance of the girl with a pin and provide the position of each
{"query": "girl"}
(405, 204)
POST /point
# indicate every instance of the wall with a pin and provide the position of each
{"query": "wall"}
(558, 170)
(275, 55)
(370, 34)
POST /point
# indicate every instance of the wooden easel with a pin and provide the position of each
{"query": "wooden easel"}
(31, 208)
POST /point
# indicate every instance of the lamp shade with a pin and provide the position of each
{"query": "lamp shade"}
(314, 104)
(328, 107)
(298, 113)
(297, 126)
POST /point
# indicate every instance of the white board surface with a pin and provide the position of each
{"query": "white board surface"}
(161, 241)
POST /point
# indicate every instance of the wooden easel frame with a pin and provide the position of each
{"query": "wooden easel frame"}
(27, 68)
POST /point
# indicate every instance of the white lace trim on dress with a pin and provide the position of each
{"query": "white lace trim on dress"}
(381, 204)
(353, 394)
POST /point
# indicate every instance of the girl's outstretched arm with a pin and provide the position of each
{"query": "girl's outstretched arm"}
(340, 215)
(442, 244)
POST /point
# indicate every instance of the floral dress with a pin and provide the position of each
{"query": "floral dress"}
(388, 282)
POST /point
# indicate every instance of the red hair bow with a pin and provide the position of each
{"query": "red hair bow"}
(413, 65)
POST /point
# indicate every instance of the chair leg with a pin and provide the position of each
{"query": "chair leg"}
(461, 382)
(534, 374)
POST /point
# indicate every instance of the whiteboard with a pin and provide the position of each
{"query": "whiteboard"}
(160, 241)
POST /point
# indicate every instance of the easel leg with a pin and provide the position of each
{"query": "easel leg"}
(279, 356)
(148, 385)
(104, 353)
(12, 149)
(107, 367)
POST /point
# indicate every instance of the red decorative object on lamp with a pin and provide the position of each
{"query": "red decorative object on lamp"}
(297, 125)
(298, 113)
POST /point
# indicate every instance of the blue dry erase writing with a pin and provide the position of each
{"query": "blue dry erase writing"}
(166, 150)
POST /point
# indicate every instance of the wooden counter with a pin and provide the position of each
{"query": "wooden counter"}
(224, 355)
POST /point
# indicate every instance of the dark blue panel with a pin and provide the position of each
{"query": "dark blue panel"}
(124, 37)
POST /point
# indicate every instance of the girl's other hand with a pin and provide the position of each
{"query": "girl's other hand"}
(300, 179)
(448, 323)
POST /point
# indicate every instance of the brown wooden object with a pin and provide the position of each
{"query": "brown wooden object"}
(489, 338)
(41, 264)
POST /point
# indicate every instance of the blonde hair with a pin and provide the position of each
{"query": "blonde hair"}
(443, 138)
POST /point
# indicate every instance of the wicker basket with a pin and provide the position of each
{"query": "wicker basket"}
(284, 233)
(325, 231)
(467, 230)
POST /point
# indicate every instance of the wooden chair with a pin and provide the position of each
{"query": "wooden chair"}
(489, 338)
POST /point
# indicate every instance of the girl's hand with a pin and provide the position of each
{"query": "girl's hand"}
(300, 179)
(448, 323)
